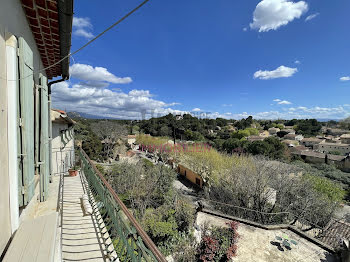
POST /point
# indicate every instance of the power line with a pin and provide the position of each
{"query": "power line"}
(88, 43)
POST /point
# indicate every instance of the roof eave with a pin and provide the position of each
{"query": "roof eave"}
(65, 11)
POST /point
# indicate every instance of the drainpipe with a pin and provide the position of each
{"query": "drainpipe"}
(64, 78)
(55, 82)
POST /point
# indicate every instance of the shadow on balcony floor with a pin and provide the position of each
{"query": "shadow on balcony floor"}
(81, 239)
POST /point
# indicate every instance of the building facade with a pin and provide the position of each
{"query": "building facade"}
(33, 39)
(191, 176)
(63, 155)
(327, 148)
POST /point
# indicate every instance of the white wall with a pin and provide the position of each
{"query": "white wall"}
(5, 232)
(12, 134)
(12, 21)
(62, 156)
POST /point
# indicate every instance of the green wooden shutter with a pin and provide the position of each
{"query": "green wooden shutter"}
(26, 123)
(44, 139)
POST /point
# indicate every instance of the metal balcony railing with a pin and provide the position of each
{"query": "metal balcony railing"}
(128, 240)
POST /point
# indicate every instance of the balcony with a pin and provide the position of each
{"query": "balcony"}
(110, 233)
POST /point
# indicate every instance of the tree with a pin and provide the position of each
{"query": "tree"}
(244, 123)
(269, 186)
(282, 133)
(252, 131)
(240, 134)
(142, 186)
(108, 131)
(308, 127)
(278, 148)
(194, 135)
(260, 148)
(230, 144)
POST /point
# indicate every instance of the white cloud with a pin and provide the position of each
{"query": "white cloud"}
(100, 74)
(345, 78)
(94, 83)
(139, 93)
(108, 103)
(81, 22)
(277, 100)
(82, 27)
(227, 105)
(310, 17)
(82, 32)
(297, 62)
(300, 112)
(196, 109)
(282, 71)
(284, 102)
(245, 29)
(272, 14)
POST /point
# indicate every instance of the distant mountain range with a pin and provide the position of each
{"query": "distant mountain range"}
(84, 115)
(91, 116)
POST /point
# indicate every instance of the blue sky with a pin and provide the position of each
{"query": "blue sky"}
(270, 59)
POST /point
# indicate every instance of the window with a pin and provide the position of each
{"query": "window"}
(198, 181)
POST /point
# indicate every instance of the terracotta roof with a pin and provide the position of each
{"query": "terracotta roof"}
(287, 136)
(319, 155)
(43, 17)
(298, 149)
(310, 153)
(60, 111)
(334, 232)
(59, 116)
(334, 144)
(336, 157)
(311, 139)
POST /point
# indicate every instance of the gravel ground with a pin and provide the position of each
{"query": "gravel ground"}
(254, 244)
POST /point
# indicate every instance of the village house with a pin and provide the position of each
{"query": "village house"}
(190, 175)
(264, 133)
(345, 138)
(293, 137)
(310, 142)
(299, 137)
(290, 143)
(312, 157)
(273, 130)
(325, 147)
(131, 140)
(255, 138)
(288, 130)
(298, 148)
(231, 128)
(289, 136)
(63, 156)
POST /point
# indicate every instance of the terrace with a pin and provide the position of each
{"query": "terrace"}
(61, 229)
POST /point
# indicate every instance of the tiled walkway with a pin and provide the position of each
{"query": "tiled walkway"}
(81, 239)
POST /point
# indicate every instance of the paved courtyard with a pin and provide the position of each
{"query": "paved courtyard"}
(259, 245)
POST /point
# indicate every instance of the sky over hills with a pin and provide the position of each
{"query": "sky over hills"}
(223, 58)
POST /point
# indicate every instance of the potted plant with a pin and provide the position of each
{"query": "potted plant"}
(73, 171)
